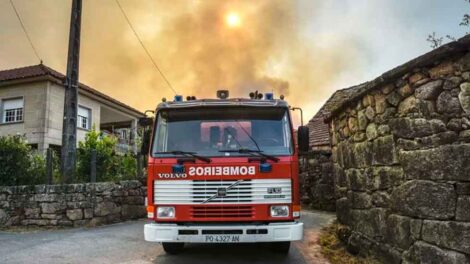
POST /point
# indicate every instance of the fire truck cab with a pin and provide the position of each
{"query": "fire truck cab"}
(224, 171)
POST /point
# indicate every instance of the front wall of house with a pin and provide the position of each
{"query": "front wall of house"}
(56, 111)
(34, 96)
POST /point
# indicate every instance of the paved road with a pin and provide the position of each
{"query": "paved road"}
(123, 243)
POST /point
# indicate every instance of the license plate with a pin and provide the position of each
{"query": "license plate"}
(222, 238)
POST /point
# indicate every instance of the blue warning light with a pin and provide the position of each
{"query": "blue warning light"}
(178, 98)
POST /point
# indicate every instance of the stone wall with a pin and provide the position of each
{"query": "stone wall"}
(86, 204)
(317, 186)
(401, 152)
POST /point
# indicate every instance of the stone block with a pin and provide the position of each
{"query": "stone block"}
(463, 208)
(441, 70)
(429, 91)
(88, 213)
(394, 98)
(132, 184)
(51, 216)
(416, 77)
(74, 214)
(452, 82)
(405, 90)
(425, 199)
(380, 103)
(353, 124)
(399, 231)
(361, 155)
(48, 197)
(455, 124)
(38, 222)
(3, 217)
(448, 104)
(362, 120)
(32, 212)
(372, 223)
(360, 200)
(450, 162)
(463, 188)
(359, 136)
(97, 221)
(387, 254)
(356, 180)
(370, 113)
(138, 200)
(387, 88)
(448, 234)
(423, 252)
(106, 208)
(52, 208)
(418, 127)
(84, 222)
(103, 186)
(383, 151)
(343, 208)
(384, 178)
(415, 228)
(380, 199)
(371, 131)
(56, 188)
(464, 96)
(133, 211)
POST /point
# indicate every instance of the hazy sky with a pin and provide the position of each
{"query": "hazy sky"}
(303, 49)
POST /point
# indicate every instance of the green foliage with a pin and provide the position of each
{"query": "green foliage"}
(19, 164)
(109, 165)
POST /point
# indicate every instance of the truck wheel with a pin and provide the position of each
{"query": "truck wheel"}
(173, 248)
(281, 247)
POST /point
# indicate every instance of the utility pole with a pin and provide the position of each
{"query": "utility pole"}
(69, 129)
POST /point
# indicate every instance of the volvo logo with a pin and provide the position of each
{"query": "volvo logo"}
(222, 192)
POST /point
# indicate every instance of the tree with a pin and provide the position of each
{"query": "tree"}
(436, 41)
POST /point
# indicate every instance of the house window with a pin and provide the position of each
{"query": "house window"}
(83, 117)
(13, 110)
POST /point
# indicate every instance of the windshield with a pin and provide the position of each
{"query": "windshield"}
(219, 131)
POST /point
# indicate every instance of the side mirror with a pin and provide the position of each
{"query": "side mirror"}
(145, 148)
(145, 121)
(303, 138)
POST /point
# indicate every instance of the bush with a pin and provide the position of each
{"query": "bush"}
(19, 164)
(109, 165)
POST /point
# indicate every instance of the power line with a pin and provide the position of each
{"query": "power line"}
(143, 46)
(25, 31)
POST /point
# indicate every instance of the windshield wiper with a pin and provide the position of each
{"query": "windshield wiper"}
(187, 153)
(251, 151)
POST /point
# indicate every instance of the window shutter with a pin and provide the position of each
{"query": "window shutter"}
(82, 111)
(12, 103)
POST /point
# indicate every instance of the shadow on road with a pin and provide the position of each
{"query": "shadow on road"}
(230, 253)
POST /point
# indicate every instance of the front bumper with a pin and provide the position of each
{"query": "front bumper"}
(290, 231)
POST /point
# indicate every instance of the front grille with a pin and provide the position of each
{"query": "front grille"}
(254, 191)
(222, 212)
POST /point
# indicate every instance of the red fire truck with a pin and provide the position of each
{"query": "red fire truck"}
(224, 170)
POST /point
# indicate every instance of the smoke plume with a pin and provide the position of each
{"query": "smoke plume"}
(265, 49)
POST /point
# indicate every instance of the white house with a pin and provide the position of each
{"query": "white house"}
(32, 104)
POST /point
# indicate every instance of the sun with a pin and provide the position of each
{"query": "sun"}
(232, 20)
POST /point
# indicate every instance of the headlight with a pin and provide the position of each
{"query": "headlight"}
(279, 211)
(165, 212)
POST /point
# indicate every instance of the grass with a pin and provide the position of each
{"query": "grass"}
(335, 251)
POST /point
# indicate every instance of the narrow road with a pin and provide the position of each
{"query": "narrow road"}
(123, 243)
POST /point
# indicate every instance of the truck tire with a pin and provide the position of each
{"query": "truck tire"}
(173, 248)
(281, 247)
